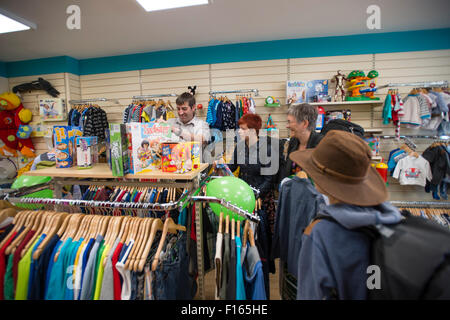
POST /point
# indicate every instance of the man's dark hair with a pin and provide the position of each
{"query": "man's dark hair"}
(185, 97)
(145, 142)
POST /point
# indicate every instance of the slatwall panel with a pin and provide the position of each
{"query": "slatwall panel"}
(409, 67)
(120, 86)
(4, 86)
(177, 80)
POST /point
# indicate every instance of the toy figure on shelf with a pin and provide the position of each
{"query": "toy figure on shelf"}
(339, 92)
(372, 85)
(357, 84)
(14, 131)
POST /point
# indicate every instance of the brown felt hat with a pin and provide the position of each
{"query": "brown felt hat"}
(340, 165)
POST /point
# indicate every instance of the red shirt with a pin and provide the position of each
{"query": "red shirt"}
(116, 275)
(18, 253)
(3, 264)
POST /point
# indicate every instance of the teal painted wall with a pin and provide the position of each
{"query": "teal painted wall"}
(436, 39)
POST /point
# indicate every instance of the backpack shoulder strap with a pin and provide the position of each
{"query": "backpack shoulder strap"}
(315, 221)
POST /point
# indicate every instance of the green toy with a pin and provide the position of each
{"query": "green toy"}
(29, 181)
(362, 87)
(272, 102)
(233, 190)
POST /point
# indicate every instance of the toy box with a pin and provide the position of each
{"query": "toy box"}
(118, 143)
(74, 132)
(374, 145)
(195, 154)
(317, 91)
(295, 92)
(145, 145)
(87, 152)
(61, 141)
(176, 157)
(52, 109)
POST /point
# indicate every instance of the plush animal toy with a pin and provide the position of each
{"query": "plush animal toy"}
(14, 131)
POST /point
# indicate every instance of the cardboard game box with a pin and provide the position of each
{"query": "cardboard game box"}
(87, 152)
(295, 92)
(145, 141)
(63, 149)
(118, 143)
(176, 157)
(317, 91)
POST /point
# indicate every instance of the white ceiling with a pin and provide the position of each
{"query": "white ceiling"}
(116, 27)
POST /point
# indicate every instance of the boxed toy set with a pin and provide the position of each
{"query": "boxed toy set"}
(118, 147)
(87, 152)
(317, 91)
(144, 145)
(64, 141)
(295, 92)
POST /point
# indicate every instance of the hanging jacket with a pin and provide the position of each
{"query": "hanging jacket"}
(298, 203)
(209, 114)
(254, 161)
(334, 257)
(438, 162)
(387, 109)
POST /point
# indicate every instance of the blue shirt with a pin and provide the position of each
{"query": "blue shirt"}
(240, 289)
(56, 285)
(32, 266)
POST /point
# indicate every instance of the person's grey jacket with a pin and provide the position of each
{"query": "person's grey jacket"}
(298, 204)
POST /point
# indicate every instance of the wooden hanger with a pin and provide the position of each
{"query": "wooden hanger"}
(138, 240)
(220, 230)
(139, 244)
(245, 235)
(238, 228)
(169, 226)
(6, 213)
(21, 216)
(54, 225)
(227, 224)
(157, 225)
(44, 221)
(28, 225)
(251, 237)
(232, 229)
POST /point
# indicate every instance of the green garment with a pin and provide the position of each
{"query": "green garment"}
(8, 285)
(23, 274)
(99, 271)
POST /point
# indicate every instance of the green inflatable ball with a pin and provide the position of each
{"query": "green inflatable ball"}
(233, 190)
(28, 181)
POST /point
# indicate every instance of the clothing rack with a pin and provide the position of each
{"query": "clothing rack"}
(255, 91)
(421, 204)
(93, 100)
(426, 84)
(152, 96)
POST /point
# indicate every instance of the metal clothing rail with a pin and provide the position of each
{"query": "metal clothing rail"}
(228, 205)
(255, 91)
(151, 96)
(430, 204)
(415, 137)
(423, 84)
(92, 100)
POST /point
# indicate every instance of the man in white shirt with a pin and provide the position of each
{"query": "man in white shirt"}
(187, 126)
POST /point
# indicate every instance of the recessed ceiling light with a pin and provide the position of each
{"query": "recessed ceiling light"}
(156, 5)
(12, 23)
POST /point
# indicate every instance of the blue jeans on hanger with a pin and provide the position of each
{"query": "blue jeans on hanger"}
(443, 190)
(171, 279)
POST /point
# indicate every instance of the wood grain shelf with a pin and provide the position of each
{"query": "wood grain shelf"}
(102, 171)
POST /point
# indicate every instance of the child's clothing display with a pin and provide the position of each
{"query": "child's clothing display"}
(413, 171)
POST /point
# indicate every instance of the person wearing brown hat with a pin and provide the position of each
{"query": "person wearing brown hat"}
(334, 256)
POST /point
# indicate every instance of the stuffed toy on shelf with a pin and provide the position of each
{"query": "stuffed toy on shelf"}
(14, 129)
